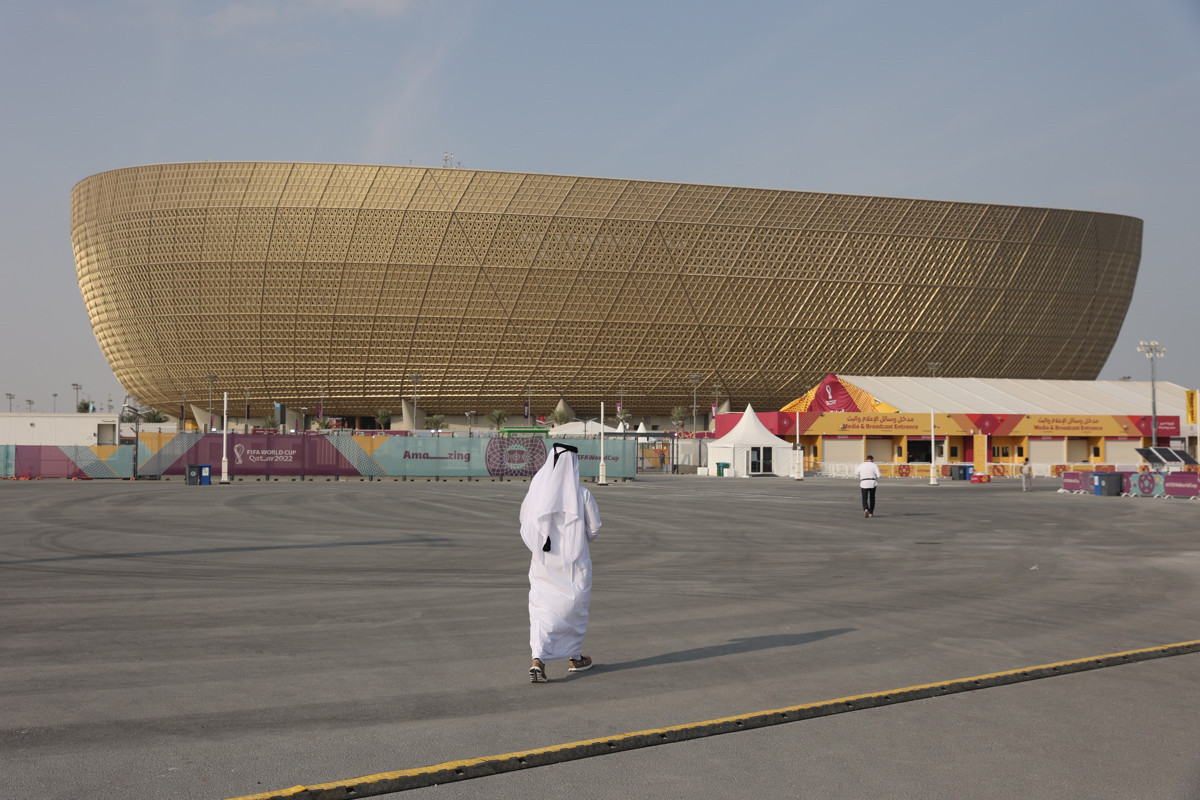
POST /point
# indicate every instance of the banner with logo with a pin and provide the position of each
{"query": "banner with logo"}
(301, 455)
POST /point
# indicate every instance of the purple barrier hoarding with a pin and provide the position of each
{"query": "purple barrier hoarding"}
(1072, 481)
(44, 461)
(267, 454)
(1181, 484)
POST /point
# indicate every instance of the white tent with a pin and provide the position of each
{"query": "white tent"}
(589, 428)
(751, 449)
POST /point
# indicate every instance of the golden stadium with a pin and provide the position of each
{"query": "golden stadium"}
(337, 284)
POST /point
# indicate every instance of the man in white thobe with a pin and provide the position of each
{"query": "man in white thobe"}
(558, 520)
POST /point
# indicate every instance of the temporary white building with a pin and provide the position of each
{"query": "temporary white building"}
(583, 428)
(751, 450)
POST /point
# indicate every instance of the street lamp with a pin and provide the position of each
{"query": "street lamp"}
(470, 420)
(10, 397)
(29, 405)
(933, 481)
(55, 401)
(76, 387)
(696, 381)
(1153, 351)
(211, 380)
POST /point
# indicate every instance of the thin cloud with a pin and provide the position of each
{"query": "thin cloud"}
(378, 8)
(238, 18)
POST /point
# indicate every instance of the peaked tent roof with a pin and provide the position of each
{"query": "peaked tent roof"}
(750, 432)
(997, 396)
(834, 394)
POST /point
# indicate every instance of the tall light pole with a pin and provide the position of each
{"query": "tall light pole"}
(29, 405)
(10, 397)
(933, 481)
(76, 387)
(1153, 351)
(55, 401)
(225, 441)
(696, 381)
(211, 380)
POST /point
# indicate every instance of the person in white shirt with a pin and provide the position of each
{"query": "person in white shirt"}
(868, 478)
(559, 519)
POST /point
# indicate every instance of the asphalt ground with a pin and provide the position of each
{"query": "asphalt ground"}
(159, 640)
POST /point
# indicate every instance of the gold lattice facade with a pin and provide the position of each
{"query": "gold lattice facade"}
(335, 283)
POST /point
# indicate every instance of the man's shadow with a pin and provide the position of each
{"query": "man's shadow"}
(730, 648)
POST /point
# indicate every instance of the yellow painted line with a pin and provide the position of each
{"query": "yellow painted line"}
(452, 771)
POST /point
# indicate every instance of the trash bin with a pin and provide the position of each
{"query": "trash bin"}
(1110, 484)
(968, 471)
(721, 467)
(206, 475)
(958, 472)
(193, 474)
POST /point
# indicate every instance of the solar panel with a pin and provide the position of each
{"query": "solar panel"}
(1149, 456)
(1184, 456)
(1167, 454)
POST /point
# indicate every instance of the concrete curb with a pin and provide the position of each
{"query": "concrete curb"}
(454, 771)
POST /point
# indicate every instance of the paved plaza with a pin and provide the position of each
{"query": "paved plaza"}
(159, 640)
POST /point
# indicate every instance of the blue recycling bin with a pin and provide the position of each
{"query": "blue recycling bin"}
(206, 475)
(968, 471)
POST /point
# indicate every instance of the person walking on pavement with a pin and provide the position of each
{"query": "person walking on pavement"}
(558, 520)
(868, 478)
(1026, 476)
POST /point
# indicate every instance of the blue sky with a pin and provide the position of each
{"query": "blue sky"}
(1090, 105)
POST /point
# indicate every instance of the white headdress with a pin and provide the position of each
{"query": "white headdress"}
(552, 512)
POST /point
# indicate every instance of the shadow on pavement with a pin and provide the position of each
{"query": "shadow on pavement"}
(733, 647)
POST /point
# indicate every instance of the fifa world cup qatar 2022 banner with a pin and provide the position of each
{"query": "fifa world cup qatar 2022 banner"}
(308, 455)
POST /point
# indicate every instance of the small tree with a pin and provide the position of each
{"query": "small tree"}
(561, 416)
(270, 421)
(434, 421)
(383, 417)
(153, 415)
(84, 407)
(323, 423)
(497, 417)
(679, 415)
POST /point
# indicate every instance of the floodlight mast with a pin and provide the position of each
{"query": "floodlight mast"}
(1153, 351)
(933, 481)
